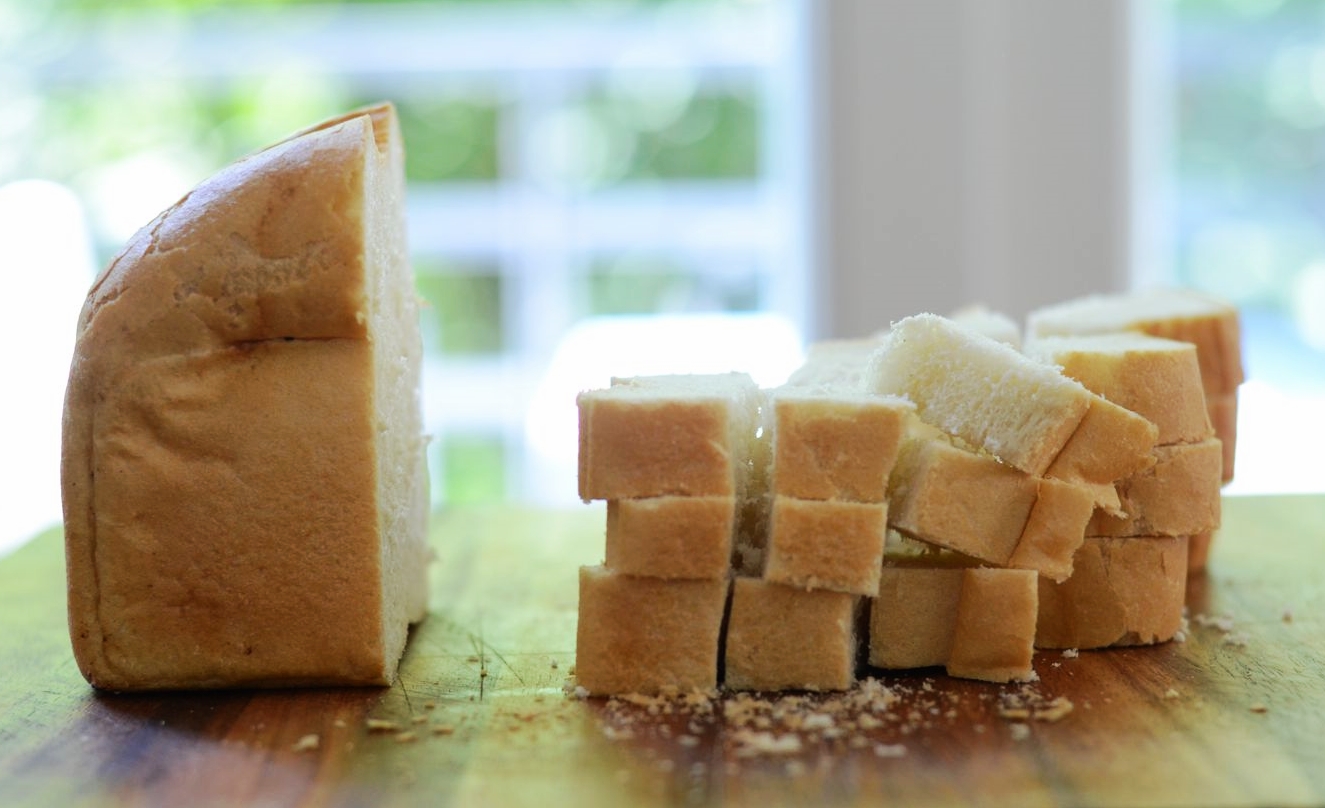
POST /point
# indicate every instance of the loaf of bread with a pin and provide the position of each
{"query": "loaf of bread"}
(245, 491)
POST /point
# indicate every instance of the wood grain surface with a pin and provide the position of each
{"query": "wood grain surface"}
(1235, 715)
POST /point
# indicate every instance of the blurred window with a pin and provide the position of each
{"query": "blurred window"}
(567, 161)
(1248, 218)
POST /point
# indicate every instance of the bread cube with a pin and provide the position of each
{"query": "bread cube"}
(1184, 315)
(671, 537)
(640, 635)
(993, 324)
(958, 499)
(835, 445)
(994, 638)
(815, 544)
(1055, 529)
(979, 623)
(1198, 552)
(980, 390)
(667, 435)
(913, 617)
(1178, 496)
(1224, 417)
(1158, 379)
(1109, 444)
(1123, 591)
(835, 364)
(784, 638)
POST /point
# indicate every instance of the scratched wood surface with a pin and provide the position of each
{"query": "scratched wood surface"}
(1233, 716)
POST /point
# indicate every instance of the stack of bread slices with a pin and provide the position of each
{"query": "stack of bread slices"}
(934, 495)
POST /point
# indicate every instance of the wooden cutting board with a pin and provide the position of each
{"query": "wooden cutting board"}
(1233, 716)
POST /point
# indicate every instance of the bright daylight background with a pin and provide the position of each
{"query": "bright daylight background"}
(576, 165)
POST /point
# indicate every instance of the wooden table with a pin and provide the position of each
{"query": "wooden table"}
(1233, 716)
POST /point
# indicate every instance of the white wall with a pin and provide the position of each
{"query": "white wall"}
(969, 151)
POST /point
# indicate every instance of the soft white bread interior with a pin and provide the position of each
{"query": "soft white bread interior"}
(245, 490)
(987, 393)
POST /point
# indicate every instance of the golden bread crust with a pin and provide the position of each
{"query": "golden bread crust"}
(219, 458)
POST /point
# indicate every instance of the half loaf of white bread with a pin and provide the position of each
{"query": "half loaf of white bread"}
(245, 490)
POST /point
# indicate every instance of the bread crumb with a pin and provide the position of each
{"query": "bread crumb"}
(750, 743)
(688, 740)
(1172, 694)
(406, 737)
(307, 743)
(1259, 708)
(615, 734)
(889, 750)
(1019, 732)
(1238, 639)
(381, 725)
(1071, 653)
(580, 692)
(430, 705)
(419, 719)
(1223, 622)
(1288, 615)
(555, 664)
(443, 729)
(1055, 710)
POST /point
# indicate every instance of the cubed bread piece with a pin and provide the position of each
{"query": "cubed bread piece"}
(1055, 529)
(1184, 315)
(245, 489)
(994, 638)
(1123, 591)
(671, 537)
(993, 324)
(1158, 379)
(959, 499)
(641, 635)
(826, 544)
(1109, 444)
(982, 391)
(835, 364)
(1198, 552)
(914, 615)
(1224, 416)
(683, 435)
(835, 445)
(1178, 496)
(785, 638)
